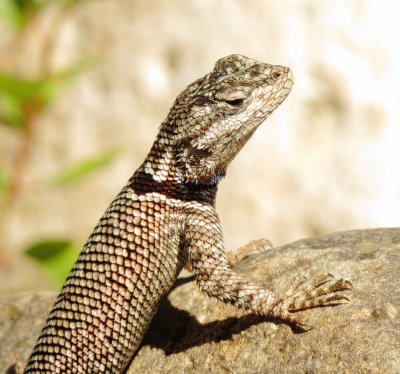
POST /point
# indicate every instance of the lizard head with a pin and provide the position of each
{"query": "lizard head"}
(215, 116)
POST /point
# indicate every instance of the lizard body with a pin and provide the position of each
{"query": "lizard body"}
(163, 216)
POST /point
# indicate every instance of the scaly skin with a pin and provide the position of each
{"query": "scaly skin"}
(163, 216)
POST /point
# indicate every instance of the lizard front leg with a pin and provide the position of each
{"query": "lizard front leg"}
(215, 277)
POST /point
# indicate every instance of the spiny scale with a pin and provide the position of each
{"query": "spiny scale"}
(165, 214)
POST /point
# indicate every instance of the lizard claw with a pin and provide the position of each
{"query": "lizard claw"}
(323, 290)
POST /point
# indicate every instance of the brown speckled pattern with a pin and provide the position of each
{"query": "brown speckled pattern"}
(165, 214)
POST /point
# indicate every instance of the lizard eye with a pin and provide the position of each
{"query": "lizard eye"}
(234, 97)
(235, 103)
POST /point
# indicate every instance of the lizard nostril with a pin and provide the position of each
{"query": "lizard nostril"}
(276, 74)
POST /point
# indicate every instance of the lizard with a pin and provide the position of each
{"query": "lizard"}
(164, 216)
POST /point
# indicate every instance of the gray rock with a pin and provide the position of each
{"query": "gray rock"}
(21, 319)
(195, 334)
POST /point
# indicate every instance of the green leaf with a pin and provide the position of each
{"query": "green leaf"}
(21, 97)
(11, 112)
(55, 257)
(4, 182)
(40, 90)
(73, 3)
(52, 85)
(18, 12)
(10, 13)
(86, 167)
(21, 88)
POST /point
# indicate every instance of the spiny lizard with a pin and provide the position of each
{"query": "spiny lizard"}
(164, 216)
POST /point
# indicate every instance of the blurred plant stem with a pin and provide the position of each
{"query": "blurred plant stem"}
(28, 28)
(30, 113)
(20, 160)
(24, 99)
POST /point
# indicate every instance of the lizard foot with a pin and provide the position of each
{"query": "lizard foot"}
(324, 290)
(254, 247)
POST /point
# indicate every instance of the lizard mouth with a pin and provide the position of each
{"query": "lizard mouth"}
(193, 153)
(196, 153)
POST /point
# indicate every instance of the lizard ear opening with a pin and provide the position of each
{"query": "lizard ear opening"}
(200, 101)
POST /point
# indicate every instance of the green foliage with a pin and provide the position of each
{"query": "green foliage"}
(55, 257)
(3, 183)
(19, 12)
(22, 98)
(84, 168)
(22, 103)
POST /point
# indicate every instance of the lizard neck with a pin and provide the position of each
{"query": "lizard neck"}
(160, 172)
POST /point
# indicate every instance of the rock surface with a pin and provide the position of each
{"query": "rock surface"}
(195, 334)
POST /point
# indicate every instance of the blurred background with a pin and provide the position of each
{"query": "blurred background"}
(84, 86)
